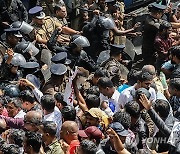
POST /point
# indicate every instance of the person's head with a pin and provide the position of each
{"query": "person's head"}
(37, 15)
(3, 126)
(13, 37)
(68, 113)
(69, 131)
(93, 117)
(157, 10)
(60, 11)
(60, 103)
(1, 105)
(106, 86)
(133, 109)
(116, 51)
(132, 77)
(174, 87)
(150, 69)
(10, 149)
(175, 54)
(87, 147)
(101, 72)
(122, 117)
(101, 3)
(16, 136)
(32, 120)
(144, 80)
(28, 99)
(48, 103)
(92, 101)
(162, 108)
(92, 133)
(119, 129)
(13, 107)
(49, 132)
(94, 90)
(165, 29)
(32, 142)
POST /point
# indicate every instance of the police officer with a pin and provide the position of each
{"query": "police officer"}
(13, 36)
(9, 69)
(46, 25)
(151, 27)
(57, 82)
(10, 11)
(113, 64)
(34, 69)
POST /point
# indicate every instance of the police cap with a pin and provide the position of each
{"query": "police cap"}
(14, 31)
(58, 69)
(110, 1)
(30, 65)
(61, 58)
(114, 48)
(37, 12)
(157, 6)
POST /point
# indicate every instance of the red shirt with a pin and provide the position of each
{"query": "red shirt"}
(73, 145)
(162, 46)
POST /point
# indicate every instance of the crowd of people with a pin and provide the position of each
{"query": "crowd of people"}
(69, 83)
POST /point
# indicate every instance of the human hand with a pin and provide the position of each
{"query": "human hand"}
(10, 52)
(145, 102)
(25, 82)
(137, 25)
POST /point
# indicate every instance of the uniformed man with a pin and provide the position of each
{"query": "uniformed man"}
(113, 64)
(10, 11)
(56, 83)
(9, 69)
(46, 25)
(151, 27)
(33, 68)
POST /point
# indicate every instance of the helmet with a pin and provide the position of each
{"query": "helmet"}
(23, 26)
(18, 60)
(24, 47)
(80, 41)
(11, 91)
(107, 23)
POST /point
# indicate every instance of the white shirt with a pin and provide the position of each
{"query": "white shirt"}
(127, 95)
(56, 117)
(114, 99)
(20, 114)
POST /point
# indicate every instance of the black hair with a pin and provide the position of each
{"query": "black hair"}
(88, 147)
(27, 95)
(68, 113)
(34, 139)
(17, 135)
(164, 25)
(16, 101)
(48, 102)
(57, 7)
(162, 107)
(101, 72)
(175, 83)
(122, 117)
(175, 51)
(133, 109)
(60, 98)
(92, 101)
(93, 90)
(105, 82)
(132, 77)
(10, 149)
(50, 127)
(145, 76)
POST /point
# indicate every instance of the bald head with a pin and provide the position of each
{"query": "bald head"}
(150, 69)
(69, 131)
(2, 124)
(34, 116)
